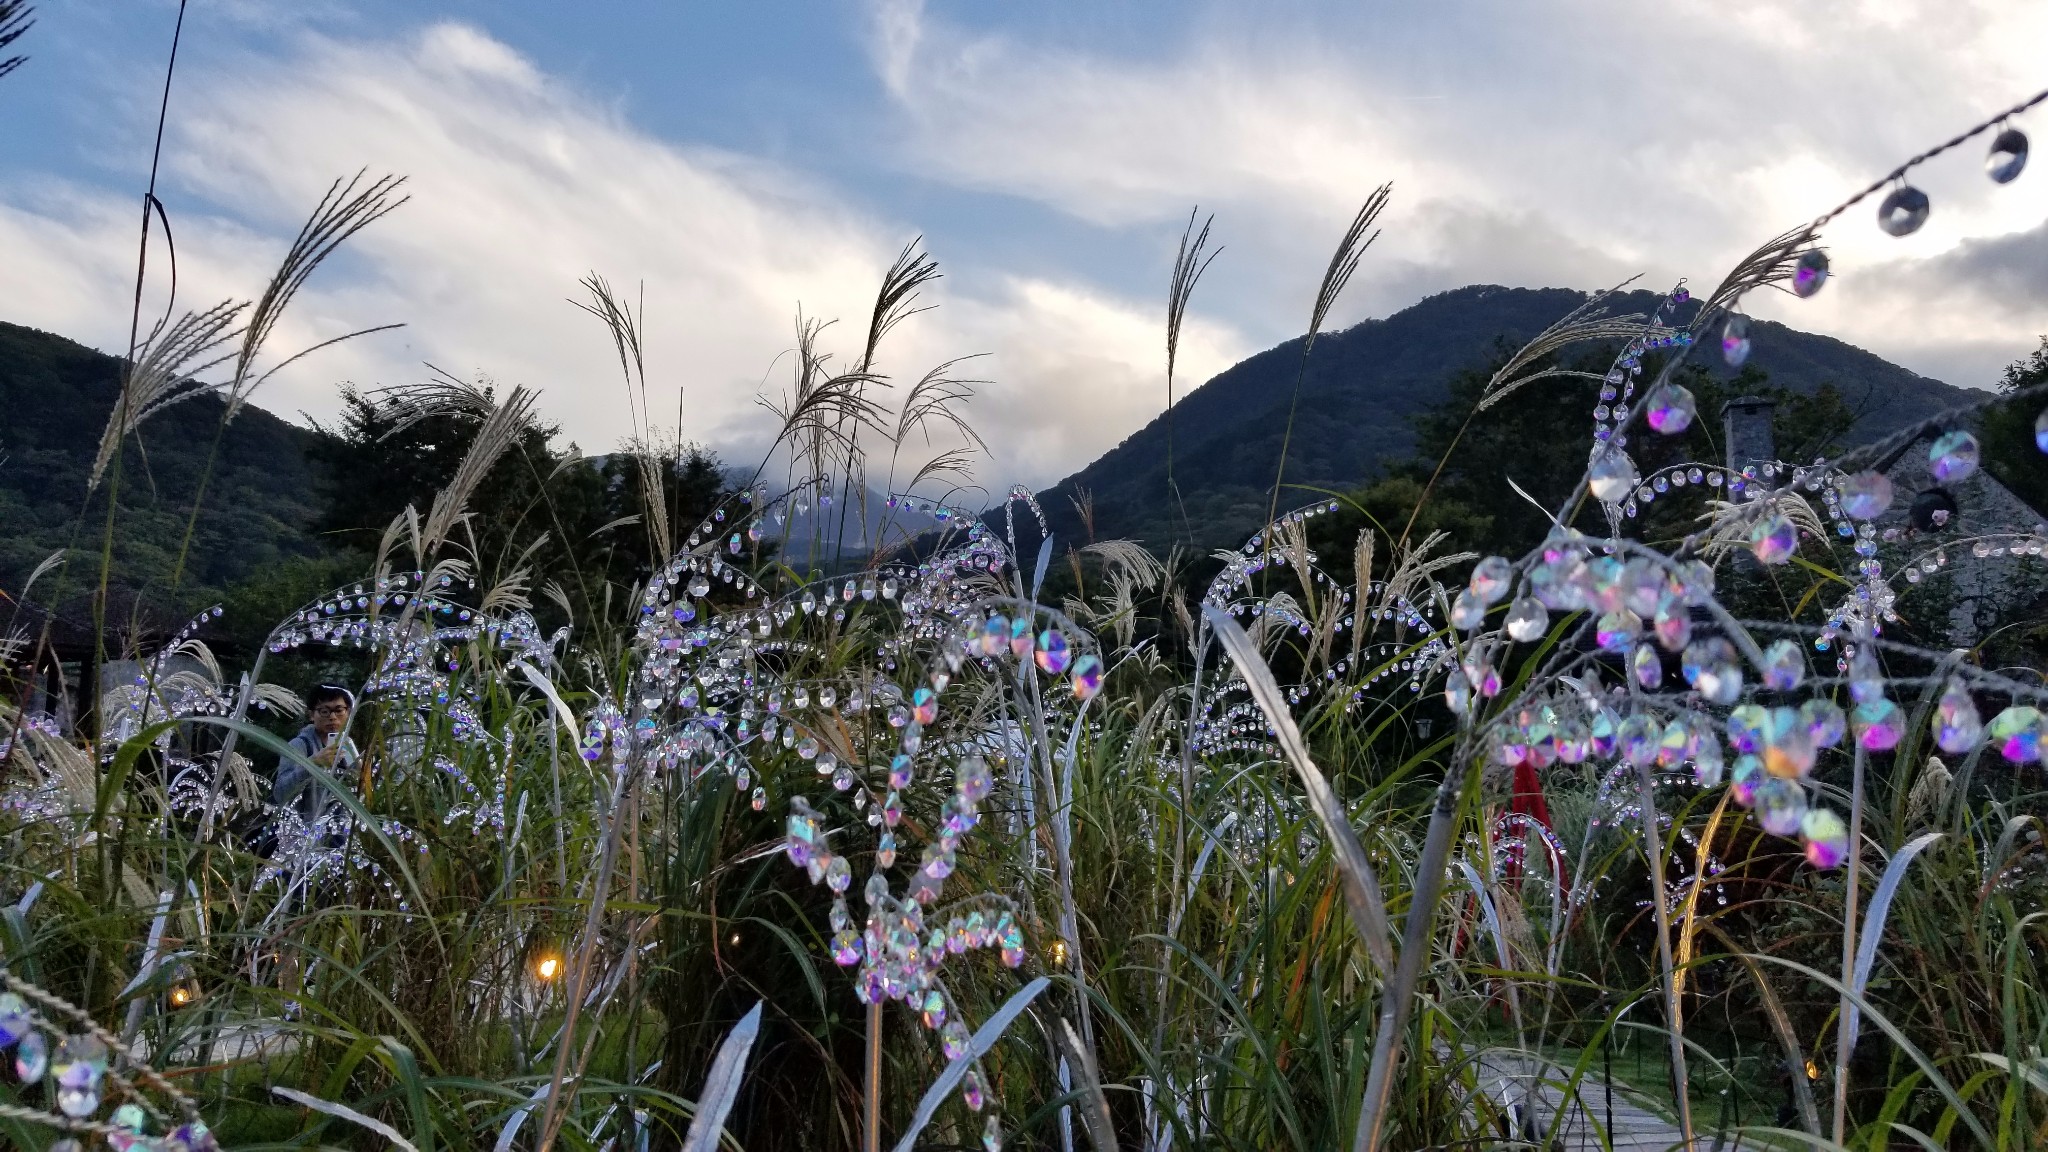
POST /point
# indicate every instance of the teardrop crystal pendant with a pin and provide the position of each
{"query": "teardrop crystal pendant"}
(1735, 340)
(1810, 273)
(2008, 156)
(1904, 211)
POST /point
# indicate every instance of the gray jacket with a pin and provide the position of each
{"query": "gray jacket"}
(296, 787)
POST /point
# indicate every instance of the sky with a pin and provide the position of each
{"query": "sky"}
(740, 164)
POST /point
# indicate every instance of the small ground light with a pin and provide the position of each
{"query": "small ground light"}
(1812, 1070)
(182, 995)
(1059, 952)
(547, 967)
(735, 940)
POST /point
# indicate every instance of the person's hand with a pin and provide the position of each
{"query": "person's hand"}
(325, 756)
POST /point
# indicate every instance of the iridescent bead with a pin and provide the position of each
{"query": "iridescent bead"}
(2041, 430)
(839, 874)
(1087, 676)
(1879, 724)
(1602, 733)
(900, 771)
(1639, 737)
(1827, 838)
(1490, 579)
(1020, 637)
(1788, 749)
(1903, 211)
(32, 1058)
(1467, 611)
(1747, 726)
(1957, 726)
(760, 798)
(1673, 622)
(1707, 764)
(1527, 620)
(1615, 631)
(1774, 538)
(1671, 409)
(954, 1041)
(2008, 156)
(1675, 746)
(1784, 666)
(1735, 340)
(1610, 475)
(1809, 273)
(1780, 806)
(924, 706)
(1824, 721)
(846, 948)
(77, 1067)
(992, 1135)
(973, 780)
(1711, 668)
(1743, 780)
(15, 1021)
(1052, 653)
(1866, 495)
(970, 1091)
(934, 1011)
(1648, 668)
(1952, 457)
(995, 636)
(1457, 693)
(2017, 733)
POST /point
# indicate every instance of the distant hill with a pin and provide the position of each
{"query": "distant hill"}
(1361, 392)
(56, 396)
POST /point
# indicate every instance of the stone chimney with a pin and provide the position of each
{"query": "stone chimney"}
(1746, 430)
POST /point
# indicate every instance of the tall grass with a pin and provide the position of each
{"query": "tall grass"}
(1251, 866)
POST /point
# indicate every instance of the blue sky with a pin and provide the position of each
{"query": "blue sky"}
(745, 160)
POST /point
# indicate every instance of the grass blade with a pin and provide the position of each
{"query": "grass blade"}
(985, 1038)
(722, 1086)
(1361, 885)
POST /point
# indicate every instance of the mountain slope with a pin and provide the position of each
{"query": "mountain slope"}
(57, 395)
(1359, 395)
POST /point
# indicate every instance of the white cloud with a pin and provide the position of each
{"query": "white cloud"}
(519, 187)
(1528, 144)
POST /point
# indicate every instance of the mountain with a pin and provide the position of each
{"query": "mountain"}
(57, 395)
(1363, 388)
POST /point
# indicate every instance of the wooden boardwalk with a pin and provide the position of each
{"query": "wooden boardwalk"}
(1506, 1076)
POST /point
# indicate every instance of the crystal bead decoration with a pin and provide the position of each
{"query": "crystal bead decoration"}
(1612, 474)
(1866, 495)
(2008, 156)
(1957, 727)
(1784, 666)
(1780, 806)
(1735, 340)
(1810, 273)
(1671, 409)
(1527, 619)
(1952, 457)
(1774, 538)
(1827, 838)
(1904, 211)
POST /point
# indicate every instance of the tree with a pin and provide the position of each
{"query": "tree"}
(579, 522)
(2007, 432)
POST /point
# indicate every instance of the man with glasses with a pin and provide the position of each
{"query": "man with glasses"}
(325, 742)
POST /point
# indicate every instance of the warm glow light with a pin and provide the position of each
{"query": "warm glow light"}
(735, 939)
(1812, 1070)
(1059, 952)
(548, 967)
(181, 996)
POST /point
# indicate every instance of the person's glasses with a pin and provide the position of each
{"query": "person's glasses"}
(331, 710)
